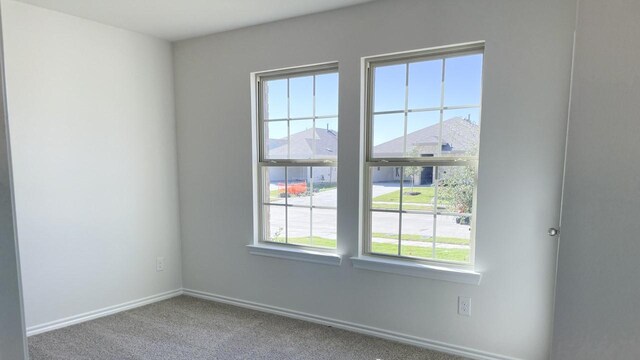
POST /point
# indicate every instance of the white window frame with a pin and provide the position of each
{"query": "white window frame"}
(380, 261)
(260, 245)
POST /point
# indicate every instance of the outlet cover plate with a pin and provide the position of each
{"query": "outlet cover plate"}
(464, 306)
(160, 264)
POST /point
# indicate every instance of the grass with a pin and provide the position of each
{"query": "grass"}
(425, 197)
(416, 237)
(425, 207)
(461, 255)
(422, 201)
(314, 240)
(274, 195)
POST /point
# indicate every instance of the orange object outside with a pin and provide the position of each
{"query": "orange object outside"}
(293, 188)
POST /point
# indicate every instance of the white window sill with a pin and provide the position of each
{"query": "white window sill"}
(402, 267)
(291, 253)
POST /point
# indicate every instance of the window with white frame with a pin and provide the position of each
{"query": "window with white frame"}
(298, 153)
(422, 138)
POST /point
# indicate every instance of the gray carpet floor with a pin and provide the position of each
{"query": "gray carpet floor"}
(193, 329)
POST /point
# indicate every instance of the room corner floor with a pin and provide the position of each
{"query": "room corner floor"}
(194, 329)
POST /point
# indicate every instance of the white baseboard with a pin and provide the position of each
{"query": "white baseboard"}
(363, 329)
(76, 319)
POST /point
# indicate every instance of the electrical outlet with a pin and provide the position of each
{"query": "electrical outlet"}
(464, 306)
(160, 264)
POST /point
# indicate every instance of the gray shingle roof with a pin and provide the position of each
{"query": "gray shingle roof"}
(326, 144)
(458, 136)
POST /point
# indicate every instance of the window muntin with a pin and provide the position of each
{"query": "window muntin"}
(418, 93)
(422, 127)
(298, 174)
(294, 110)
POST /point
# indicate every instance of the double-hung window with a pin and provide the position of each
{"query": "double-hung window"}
(422, 120)
(298, 153)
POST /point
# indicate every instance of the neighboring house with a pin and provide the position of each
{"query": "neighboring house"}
(321, 142)
(459, 136)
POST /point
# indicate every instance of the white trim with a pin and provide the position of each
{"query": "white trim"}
(292, 253)
(91, 315)
(368, 160)
(358, 328)
(260, 160)
(401, 267)
(437, 52)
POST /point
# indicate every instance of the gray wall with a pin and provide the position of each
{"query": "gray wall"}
(12, 330)
(527, 69)
(598, 292)
(94, 150)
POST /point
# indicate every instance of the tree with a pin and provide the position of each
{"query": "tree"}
(412, 171)
(457, 186)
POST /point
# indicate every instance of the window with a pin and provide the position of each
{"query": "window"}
(422, 138)
(298, 153)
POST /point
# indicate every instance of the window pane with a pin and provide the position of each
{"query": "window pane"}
(385, 187)
(423, 133)
(417, 235)
(301, 139)
(389, 86)
(400, 127)
(325, 186)
(455, 189)
(327, 138)
(425, 84)
(418, 189)
(463, 80)
(324, 228)
(274, 223)
(453, 236)
(276, 141)
(298, 199)
(388, 135)
(273, 185)
(298, 186)
(299, 225)
(301, 96)
(327, 95)
(418, 192)
(384, 232)
(275, 99)
(461, 132)
(330, 124)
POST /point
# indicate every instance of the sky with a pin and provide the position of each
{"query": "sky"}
(462, 86)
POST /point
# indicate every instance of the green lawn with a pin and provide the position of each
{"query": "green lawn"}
(416, 237)
(425, 197)
(274, 195)
(315, 241)
(422, 201)
(422, 207)
(422, 252)
(461, 255)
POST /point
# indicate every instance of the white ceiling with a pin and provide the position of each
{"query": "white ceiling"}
(181, 19)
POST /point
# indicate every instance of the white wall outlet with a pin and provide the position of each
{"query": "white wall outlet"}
(160, 264)
(464, 306)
